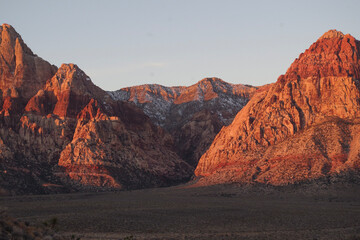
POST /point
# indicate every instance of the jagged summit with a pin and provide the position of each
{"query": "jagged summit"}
(333, 33)
(70, 90)
(69, 75)
(11, 39)
(6, 25)
(215, 81)
(8, 28)
(23, 73)
(210, 79)
(332, 55)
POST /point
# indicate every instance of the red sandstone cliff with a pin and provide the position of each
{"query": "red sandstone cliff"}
(302, 127)
(22, 73)
(60, 132)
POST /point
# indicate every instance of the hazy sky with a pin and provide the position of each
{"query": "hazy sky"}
(123, 43)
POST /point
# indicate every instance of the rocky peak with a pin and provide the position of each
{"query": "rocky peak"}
(212, 81)
(209, 88)
(11, 40)
(332, 55)
(71, 89)
(70, 77)
(23, 73)
(333, 33)
(219, 86)
(146, 93)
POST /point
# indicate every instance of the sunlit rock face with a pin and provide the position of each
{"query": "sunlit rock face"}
(59, 132)
(192, 115)
(22, 73)
(304, 126)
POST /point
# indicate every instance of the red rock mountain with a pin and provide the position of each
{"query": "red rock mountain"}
(304, 126)
(22, 73)
(192, 115)
(60, 132)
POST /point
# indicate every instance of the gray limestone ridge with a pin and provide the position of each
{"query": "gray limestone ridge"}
(163, 103)
(193, 115)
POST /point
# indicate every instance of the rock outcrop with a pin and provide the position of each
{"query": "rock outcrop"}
(302, 127)
(60, 132)
(194, 114)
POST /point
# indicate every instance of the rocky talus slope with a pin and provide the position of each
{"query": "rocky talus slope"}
(192, 115)
(305, 126)
(60, 132)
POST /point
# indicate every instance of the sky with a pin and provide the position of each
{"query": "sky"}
(121, 43)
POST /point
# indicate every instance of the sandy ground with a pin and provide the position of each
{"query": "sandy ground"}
(219, 212)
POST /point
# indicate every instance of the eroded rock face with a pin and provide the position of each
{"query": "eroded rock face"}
(109, 151)
(333, 54)
(60, 132)
(301, 127)
(194, 114)
(22, 73)
(66, 93)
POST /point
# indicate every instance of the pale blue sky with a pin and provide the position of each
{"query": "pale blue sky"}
(123, 43)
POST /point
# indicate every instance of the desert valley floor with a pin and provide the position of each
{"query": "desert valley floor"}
(217, 212)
